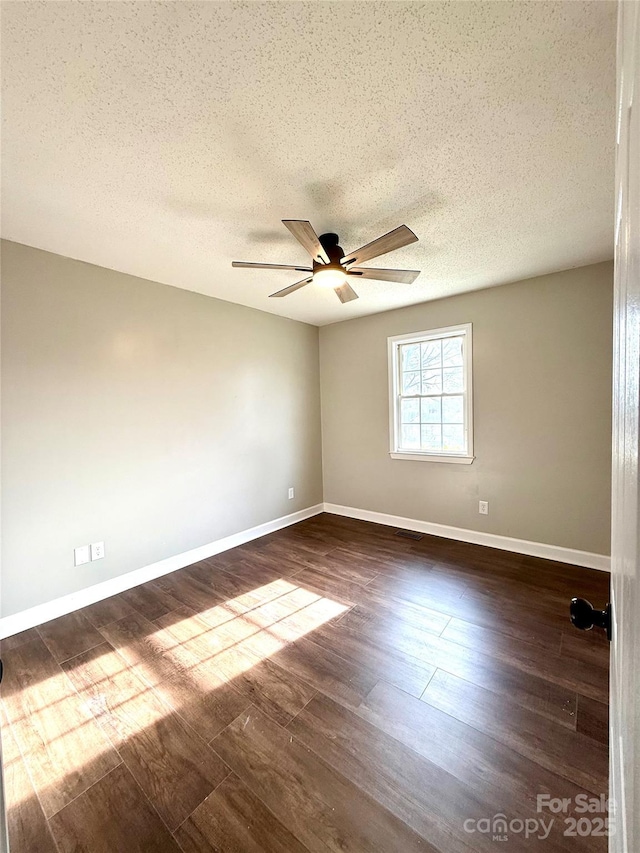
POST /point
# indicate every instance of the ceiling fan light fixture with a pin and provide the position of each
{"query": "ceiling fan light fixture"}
(331, 275)
(329, 262)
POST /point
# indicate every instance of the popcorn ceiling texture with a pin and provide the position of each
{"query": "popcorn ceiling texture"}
(167, 139)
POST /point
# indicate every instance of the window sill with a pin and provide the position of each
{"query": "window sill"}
(432, 457)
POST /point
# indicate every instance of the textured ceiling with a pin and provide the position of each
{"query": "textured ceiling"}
(167, 139)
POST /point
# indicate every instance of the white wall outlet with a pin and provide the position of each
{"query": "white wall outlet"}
(292, 493)
(81, 555)
(97, 550)
(483, 507)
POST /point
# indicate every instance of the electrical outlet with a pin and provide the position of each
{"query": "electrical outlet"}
(483, 507)
(97, 550)
(292, 493)
(81, 555)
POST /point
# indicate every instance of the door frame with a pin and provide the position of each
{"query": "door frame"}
(624, 731)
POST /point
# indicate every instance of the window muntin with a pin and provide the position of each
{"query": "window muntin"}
(431, 394)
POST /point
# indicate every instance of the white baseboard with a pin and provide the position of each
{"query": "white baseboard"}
(10, 625)
(475, 537)
(34, 616)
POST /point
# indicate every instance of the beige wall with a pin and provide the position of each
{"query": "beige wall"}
(146, 416)
(542, 401)
(159, 420)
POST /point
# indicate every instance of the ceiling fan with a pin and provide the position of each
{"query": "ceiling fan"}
(332, 267)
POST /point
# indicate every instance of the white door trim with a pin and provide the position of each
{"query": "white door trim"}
(624, 732)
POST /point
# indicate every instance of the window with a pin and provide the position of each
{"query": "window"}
(430, 405)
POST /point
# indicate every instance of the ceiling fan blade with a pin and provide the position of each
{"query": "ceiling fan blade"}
(307, 237)
(345, 293)
(292, 288)
(401, 276)
(395, 239)
(247, 265)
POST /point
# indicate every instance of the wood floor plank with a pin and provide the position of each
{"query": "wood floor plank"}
(258, 571)
(293, 601)
(150, 601)
(107, 610)
(144, 647)
(171, 763)
(106, 683)
(579, 577)
(493, 641)
(62, 745)
(564, 670)
(112, 816)
(332, 587)
(321, 808)
(236, 654)
(305, 620)
(568, 754)
(520, 600)
(189, 591)
(187, 636)
(240, 592)
(410, 674)
(203, 699)
(411, 647)
(69, 635)
(338, 564)
(491, 611)
(273, 690)
(310, 540)
(339, 678)
(515, 577)
(416, 584)
(232, 819)
(507, 780)
(16, 640)
(588, 647)
(396, 620)
(28, 828)
(288, 558)
(593, 719)
(424, 796)
(382, 559)
(520, 589)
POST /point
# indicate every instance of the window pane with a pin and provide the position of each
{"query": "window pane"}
(453, 410)
(431, 381)
(453, 438)
(430, 410)
(410, 437)
(451, 380)
(410, 411)
(411, 383)
(452, 352)
(431, 354)
(431, 437)
(411, 357)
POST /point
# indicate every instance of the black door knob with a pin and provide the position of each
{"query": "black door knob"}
(584, 616)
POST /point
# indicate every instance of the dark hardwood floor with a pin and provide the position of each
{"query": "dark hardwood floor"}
(331, 686)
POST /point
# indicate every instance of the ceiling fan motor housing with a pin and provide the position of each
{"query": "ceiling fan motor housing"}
(334, 251)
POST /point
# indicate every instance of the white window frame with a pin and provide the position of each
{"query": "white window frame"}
(464, 330)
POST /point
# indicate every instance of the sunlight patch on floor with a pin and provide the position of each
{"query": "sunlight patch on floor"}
(210, 648)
